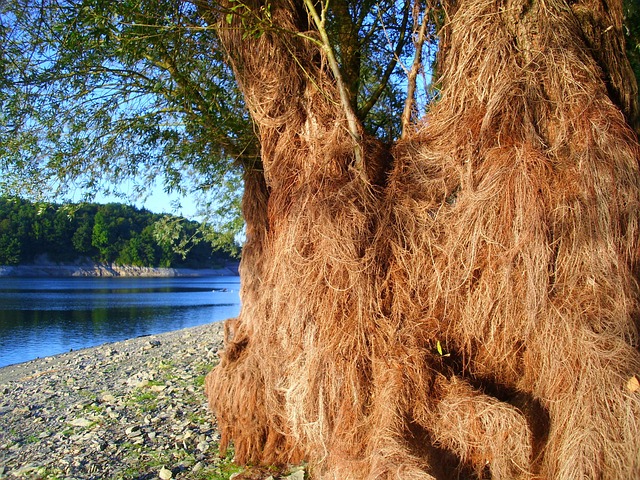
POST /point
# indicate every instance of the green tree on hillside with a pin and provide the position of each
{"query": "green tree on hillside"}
(15, 230)
(103, 238)
(10, 251)
(141, 250)
(82, 236)
(100, 233)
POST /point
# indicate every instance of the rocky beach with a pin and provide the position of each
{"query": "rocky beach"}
(128, 410)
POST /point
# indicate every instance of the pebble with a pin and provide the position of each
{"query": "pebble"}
(108, 398)
(80, 422)
(165, 474)
(133, 431)
(203, 446)
(152, 344)
(297, 475)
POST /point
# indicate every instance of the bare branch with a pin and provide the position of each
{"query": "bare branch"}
(415, 69)
(352, 120)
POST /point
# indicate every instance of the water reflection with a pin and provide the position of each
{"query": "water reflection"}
(42, 317)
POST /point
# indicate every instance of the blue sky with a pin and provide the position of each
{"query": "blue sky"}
(157, 201)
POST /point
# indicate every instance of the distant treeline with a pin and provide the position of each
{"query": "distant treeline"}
(112, 233)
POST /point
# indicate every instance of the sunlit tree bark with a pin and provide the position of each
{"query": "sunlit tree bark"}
(461, 302)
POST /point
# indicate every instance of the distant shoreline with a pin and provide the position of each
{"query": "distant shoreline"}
(111, 270)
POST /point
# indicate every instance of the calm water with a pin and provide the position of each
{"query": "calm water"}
(40, 317)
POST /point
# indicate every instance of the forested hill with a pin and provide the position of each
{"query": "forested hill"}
(112, 233)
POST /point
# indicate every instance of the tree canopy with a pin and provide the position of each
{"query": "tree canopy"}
(96, 93)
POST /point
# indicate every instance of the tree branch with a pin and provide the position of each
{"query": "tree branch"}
(352, 121)
(413, 73)
(384, 81)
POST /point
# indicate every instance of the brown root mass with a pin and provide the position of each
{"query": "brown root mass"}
(466, 304)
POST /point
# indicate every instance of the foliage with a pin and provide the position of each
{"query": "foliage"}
(632, 34)
(112, 233)
(94, 93)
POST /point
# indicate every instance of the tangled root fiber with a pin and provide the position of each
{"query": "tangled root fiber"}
(465, 305)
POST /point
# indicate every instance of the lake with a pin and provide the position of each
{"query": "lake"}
(40, 317)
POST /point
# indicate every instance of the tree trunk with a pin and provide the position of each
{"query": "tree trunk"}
(467, 298)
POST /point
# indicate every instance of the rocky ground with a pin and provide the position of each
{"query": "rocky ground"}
(128, 410)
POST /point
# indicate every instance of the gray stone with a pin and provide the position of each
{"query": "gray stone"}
(134, 431)
(297, 475)
(80, 422)
(165, 474)
(203, 446)
(108, 398)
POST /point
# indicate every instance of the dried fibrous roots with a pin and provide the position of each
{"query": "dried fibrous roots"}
(475, 313)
